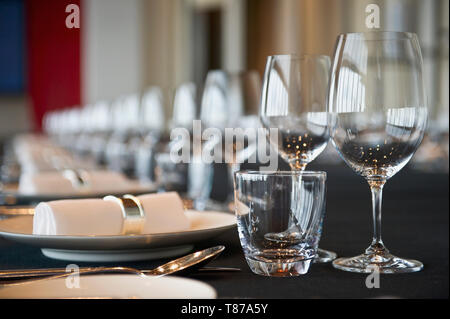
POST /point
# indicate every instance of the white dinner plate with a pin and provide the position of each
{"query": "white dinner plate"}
(111, 286)
(204, 225)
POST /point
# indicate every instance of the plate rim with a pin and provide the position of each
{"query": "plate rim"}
(212, 291)
(111, 237)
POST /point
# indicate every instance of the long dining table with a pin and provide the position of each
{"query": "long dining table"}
(415, 225)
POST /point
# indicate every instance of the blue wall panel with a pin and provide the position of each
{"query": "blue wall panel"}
(12, 46)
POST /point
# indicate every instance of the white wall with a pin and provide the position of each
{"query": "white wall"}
(111, 48)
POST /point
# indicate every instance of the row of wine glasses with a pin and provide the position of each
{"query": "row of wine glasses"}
(130, 133)
(373, 106)
(112, 132)
(79, 128)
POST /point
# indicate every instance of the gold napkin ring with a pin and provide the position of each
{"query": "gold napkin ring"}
(132, 212)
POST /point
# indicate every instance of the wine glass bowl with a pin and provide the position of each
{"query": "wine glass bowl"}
(378, 115)
(379, 148)
(294, 102)
(300, 140)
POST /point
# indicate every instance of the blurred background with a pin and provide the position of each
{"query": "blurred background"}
(161, 49)
(123, 47)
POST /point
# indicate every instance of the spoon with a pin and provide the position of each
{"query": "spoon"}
(188, 262)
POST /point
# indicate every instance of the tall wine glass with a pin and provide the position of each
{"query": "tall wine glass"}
(231, 100)
(294, 101)
(378, 115)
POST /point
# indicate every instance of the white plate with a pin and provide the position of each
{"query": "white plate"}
(204, 225)
(112, 286)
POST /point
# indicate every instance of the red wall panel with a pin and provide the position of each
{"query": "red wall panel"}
(53, 57)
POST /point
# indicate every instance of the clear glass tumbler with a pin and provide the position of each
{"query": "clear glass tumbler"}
(279, 218)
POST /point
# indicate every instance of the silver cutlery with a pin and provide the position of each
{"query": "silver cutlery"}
(189, 262)
(19, 274)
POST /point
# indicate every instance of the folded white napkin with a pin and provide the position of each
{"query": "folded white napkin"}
(45, 183)
(59, 183)
(163, 213)
(36, 154)
(39, 154)
(108, 182)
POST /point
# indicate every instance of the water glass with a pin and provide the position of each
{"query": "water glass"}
(279, 216)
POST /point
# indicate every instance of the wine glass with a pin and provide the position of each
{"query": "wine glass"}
(294, 102)
(83, 140)
(213, 110)
(378, 114)
(152, 113)
(231, 100)
(199, 174)
(151, 128)
(184, 106)
(115, 146)
(101, 126)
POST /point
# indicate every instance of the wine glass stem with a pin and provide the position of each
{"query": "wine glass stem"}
(377, 245)
(232, 168)
(297, 166)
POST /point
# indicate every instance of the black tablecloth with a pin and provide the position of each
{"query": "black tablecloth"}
(415, 225)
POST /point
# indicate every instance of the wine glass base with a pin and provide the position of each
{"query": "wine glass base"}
(324, 256)
(365, 263)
